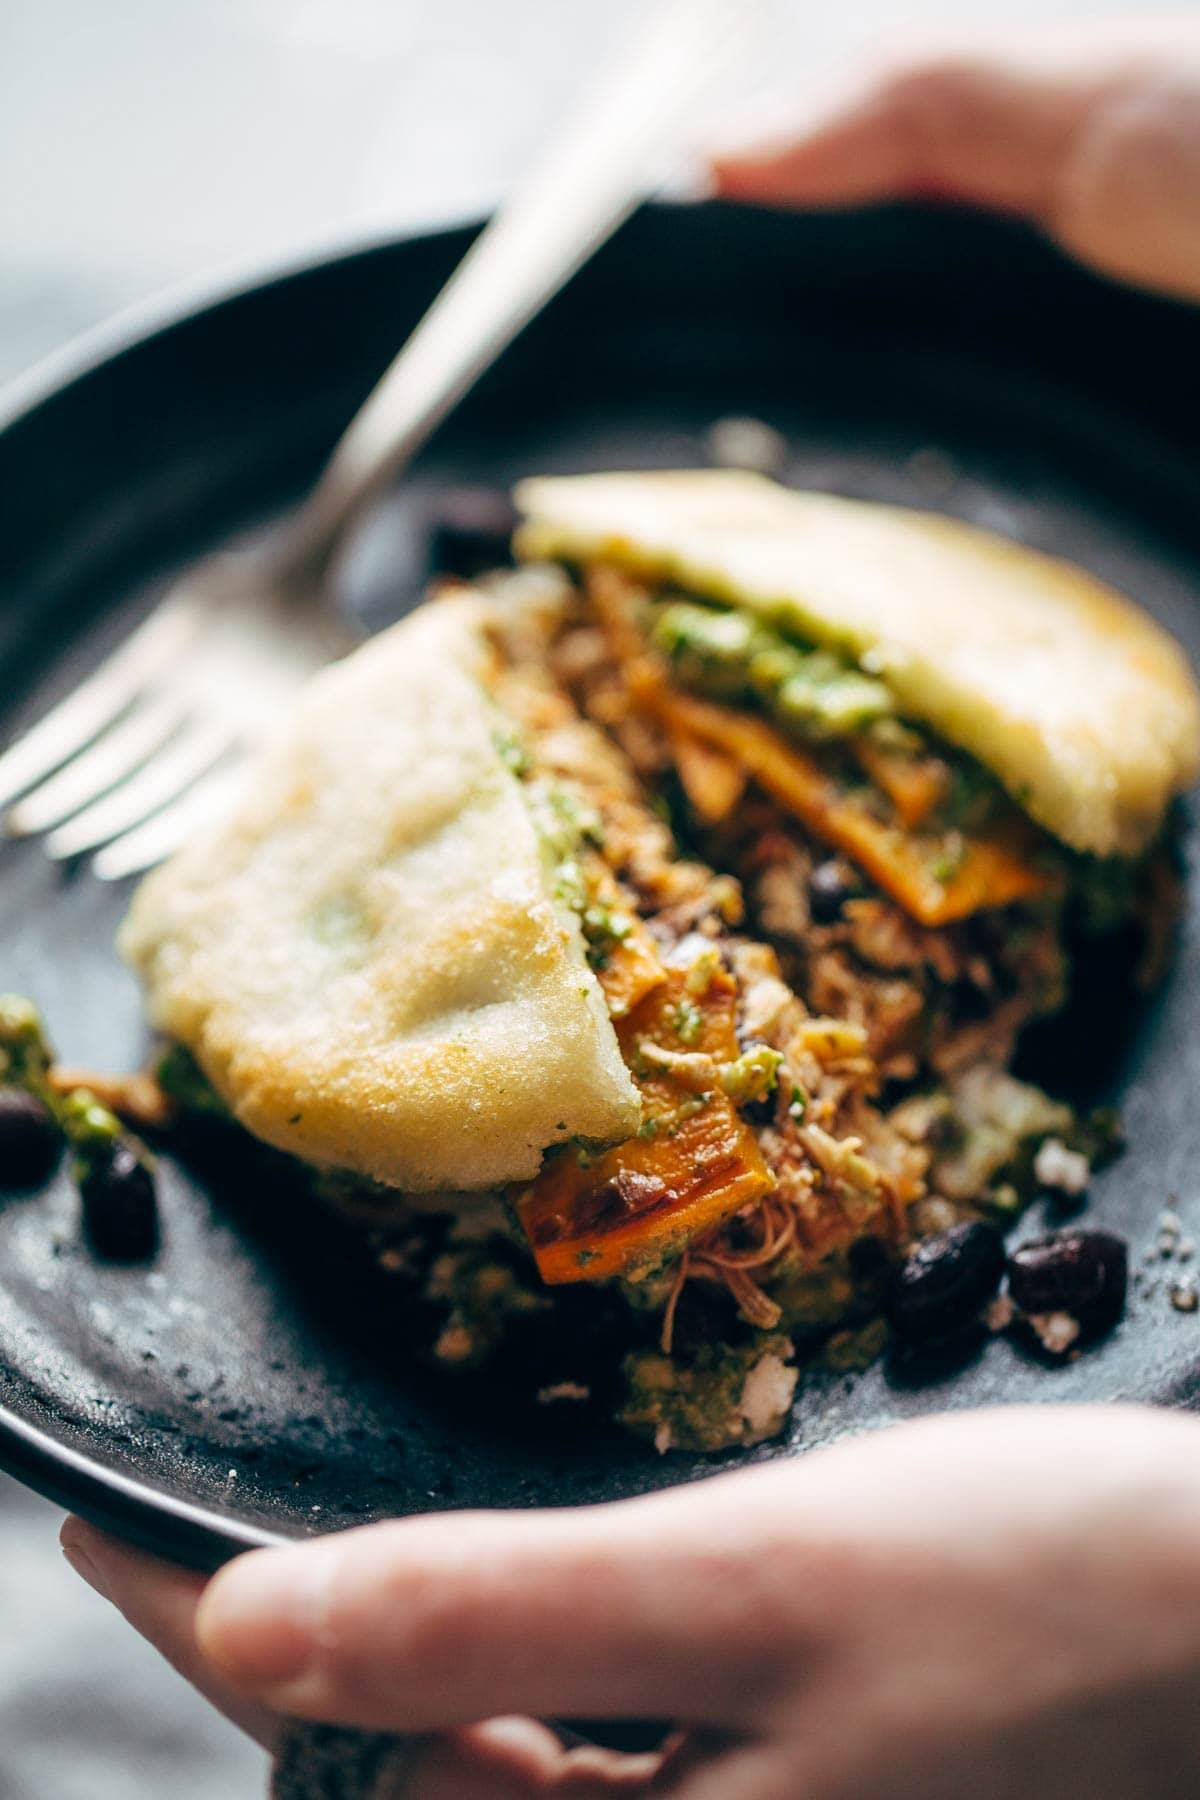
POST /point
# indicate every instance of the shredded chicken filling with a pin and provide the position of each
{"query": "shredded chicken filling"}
(799, 1071)
(738, 1074)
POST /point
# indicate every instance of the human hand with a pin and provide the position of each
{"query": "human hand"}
(1093, 136)
(1002, 1603)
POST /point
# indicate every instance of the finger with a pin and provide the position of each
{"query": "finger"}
(1128, 199)
(520, 1758)
(688, 1758)
(649, 1609)
(501, 1759)
(1100, 145)
(713, 1604)
(159, 1601)
(752, 1771)
(968, 127)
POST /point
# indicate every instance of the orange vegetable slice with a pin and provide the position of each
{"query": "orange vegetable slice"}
(712, 781)
(990, 870)
(631, 970)
(694, 1164)
(913, 784)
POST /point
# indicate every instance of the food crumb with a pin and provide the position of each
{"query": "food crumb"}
(744, 443)
(455, 1345)
(1000, 1314)
(932, 1215)
(1169, 1228)
(1055, 1166)
(137, 1098)
(1056, 1331)
(663, 1438)
(563, 1390)
(1185, 1296)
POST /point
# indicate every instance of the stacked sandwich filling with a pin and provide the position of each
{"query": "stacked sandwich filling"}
(752, 1108)
(657, 928)
(805, 1080)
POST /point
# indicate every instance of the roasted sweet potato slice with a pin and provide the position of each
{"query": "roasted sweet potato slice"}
(693, 1164)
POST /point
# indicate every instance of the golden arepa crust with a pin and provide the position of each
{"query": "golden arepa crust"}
(1079, 703)
(366, 958)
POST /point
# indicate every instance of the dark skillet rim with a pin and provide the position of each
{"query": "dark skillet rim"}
(38, 1454)
(33, 1455)
(62, 1474)
(121, 1504)
(68, 1476)
(180, 302)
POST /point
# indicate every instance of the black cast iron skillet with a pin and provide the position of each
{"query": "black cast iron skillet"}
(251, 1384)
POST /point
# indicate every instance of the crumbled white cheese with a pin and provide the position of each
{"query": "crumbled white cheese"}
(933, 1214)
(1056, 1330)
(1055, 1166)
(767, 1394)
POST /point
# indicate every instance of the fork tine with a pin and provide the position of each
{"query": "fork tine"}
(183, 761)
(148, 844)
(98, 700)
(120, 750)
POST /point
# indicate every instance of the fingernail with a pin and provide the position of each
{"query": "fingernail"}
(83, 1565)
(260, 1619)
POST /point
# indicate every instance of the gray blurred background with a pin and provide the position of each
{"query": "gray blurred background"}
(147, 143)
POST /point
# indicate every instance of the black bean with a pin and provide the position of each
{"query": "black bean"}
(1083, 1273)
(29, 1139)
(830, 885)
(920, 1360)
(946, 1281)
(120, 1207)
(470, 530)
(869, 1260)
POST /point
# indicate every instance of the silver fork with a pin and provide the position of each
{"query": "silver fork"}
(153, 742)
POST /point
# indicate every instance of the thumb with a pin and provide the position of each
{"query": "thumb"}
(646, 1609)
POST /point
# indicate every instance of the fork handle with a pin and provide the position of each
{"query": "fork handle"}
(568, 206)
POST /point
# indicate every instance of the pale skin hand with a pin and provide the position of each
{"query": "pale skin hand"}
(1094, 135)
(1000, 1604)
